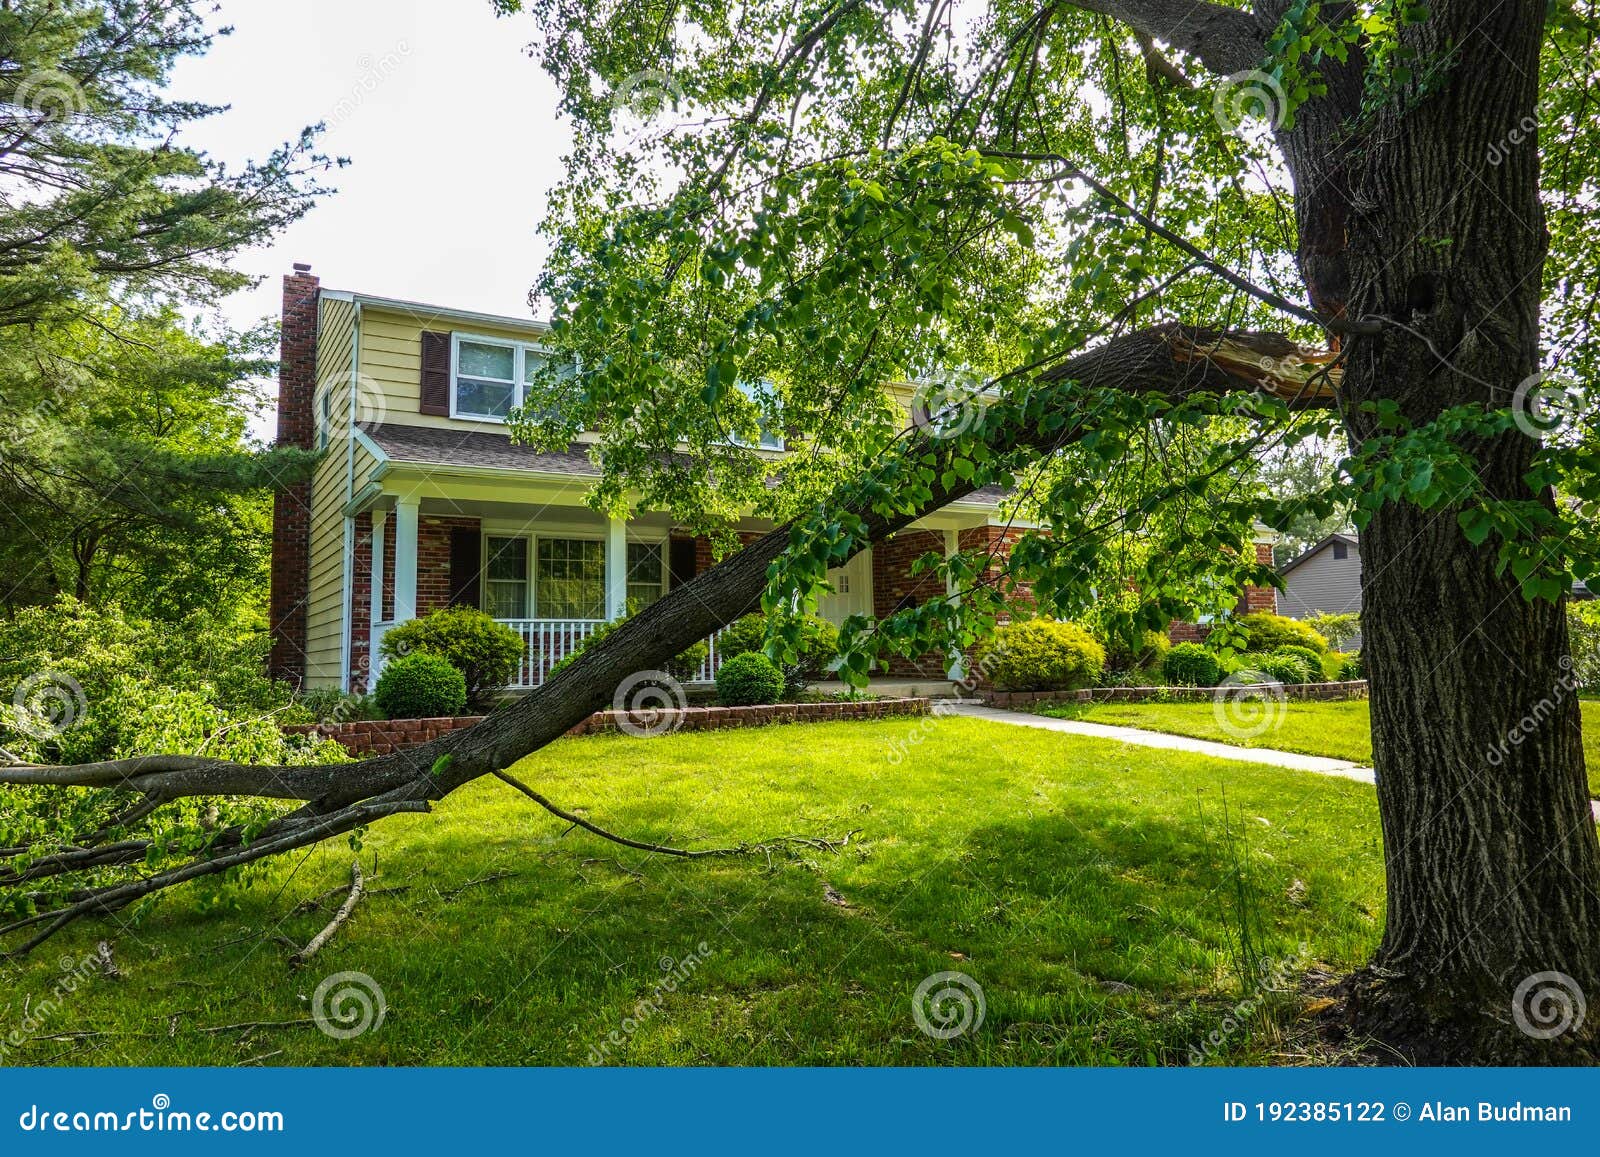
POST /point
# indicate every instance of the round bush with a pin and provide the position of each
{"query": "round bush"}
(1311, 659)
(747, 680)
(1191, 665)
(484, 651)
(1278, 667)
(1042, 655)
(1265, 632)
(816, 646)
(1144, 654)
(420, 686)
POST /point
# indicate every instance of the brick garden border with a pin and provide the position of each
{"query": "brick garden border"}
(1353, 689)
(367, 737)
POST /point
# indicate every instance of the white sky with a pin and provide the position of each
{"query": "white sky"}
(449, 125)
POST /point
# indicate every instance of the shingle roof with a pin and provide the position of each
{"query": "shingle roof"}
(434, 446)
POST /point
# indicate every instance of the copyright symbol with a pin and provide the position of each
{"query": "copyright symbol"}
(1402, 1111)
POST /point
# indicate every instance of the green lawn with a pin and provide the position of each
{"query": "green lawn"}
(1090, 888)
(1339, 730)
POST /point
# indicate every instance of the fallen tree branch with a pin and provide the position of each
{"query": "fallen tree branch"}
(819, 843)
(339, 917)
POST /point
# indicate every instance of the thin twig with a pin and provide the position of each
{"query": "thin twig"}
(339, 918)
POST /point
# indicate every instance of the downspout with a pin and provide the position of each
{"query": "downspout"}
(349, 568)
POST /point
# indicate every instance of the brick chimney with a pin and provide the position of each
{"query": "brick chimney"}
(291, 506)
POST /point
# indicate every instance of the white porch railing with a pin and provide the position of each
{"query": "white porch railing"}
(545, 642)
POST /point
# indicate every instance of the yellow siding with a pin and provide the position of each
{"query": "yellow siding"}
(391, 361)
(329, 493)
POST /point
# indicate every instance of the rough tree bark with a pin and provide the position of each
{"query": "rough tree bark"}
(1490, 846)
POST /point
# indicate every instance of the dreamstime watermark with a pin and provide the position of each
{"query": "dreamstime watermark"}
(75, 971)
(348, 1004)
(1548, 1004)
(648, 704)
(50, 94)
(674, 974)
(1523, 131)
(1271, 979)
(160, 1117)
(1549, 403)
(926, 725)
(1536, 717)
(48, 703)
(647, 94)
(363, 395)
(374, 71)
(947, 1005)
(1248, 704)
(965, 683)
(1251, 93)
(948, 404)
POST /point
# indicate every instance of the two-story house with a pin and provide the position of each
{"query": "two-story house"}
(422, 501)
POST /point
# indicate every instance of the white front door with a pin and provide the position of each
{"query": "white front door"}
(852, 590)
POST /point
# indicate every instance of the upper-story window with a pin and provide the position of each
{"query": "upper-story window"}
(324, 418)
(761, 394)
(491, 376)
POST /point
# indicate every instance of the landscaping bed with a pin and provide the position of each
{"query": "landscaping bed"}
(368, 737)
(1351, 689)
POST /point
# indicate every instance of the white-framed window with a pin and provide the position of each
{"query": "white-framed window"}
(505, 576)
(647, 573)
(324, 417)
(490, 375)
(762, 395)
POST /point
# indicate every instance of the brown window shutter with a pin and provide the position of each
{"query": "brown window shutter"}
(435, 374)
(680, 562)
(465, 563)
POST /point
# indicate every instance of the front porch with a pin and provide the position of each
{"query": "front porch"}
(556, 572)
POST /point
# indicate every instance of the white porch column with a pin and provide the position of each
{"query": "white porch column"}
(616, 568)
(380, 522)
(957, 670)
(406, 510)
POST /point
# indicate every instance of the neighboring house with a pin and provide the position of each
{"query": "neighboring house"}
(422, 501)
(1324, 579)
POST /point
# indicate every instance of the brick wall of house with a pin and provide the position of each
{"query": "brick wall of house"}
(361, 605)
(1253, 600)
(433, 560)
(291, 506)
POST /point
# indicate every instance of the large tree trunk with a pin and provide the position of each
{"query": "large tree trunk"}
(1492, 859)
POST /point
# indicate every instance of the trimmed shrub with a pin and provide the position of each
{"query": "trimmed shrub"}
(1351, 666)
(420, 686)
(1277, 667)
(1042, 655)
(1123, 655)
(747, 680)
(818, 647)
(1311, 659)
(1191, 665)
(484, 651)
(1264, 632)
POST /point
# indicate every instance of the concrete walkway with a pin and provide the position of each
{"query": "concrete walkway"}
(1272, 758)
(1140, 738)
